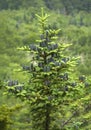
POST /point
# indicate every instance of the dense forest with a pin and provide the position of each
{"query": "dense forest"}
(19, 29)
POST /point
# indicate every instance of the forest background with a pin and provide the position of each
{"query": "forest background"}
(18, 27)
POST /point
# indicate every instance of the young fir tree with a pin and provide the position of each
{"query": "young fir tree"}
(50, 87)
(49, 69)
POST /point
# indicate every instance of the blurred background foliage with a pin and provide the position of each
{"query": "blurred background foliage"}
(18, 27)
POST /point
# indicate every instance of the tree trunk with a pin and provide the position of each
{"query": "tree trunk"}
(47, 120)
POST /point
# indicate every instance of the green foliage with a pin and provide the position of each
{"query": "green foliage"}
(19, 28)
(13, 34)
(68, 6)
(1, 84)
(51, 87)
(10, 4)
(6, 113)
(4, 117)
(61, 6)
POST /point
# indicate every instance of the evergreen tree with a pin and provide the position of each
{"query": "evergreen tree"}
(49, 82)
(51, 88)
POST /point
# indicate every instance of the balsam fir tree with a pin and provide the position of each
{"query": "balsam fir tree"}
(49, 69)
(51, 86)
